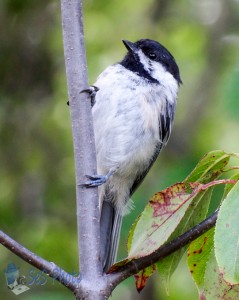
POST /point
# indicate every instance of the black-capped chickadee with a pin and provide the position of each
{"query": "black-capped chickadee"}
(133, 112)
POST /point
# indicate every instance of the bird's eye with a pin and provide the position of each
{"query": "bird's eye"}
(152, 55)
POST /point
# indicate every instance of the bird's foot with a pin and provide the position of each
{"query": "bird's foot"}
(92, 90)
(97, 180)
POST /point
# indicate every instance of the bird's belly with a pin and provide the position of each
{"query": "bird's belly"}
(126, 152)
(126, 131)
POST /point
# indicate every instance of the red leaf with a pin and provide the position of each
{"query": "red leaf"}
(142, 277)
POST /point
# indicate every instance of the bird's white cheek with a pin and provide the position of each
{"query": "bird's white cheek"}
(158, 70)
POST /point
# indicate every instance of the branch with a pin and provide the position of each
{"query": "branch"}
(47, 267)
(88, 214)
(83, 137)
(136, 265)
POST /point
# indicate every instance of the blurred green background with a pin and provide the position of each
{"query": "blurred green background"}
(37, 186)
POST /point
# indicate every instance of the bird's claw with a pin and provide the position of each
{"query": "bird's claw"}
(97, 180)
(92, 90)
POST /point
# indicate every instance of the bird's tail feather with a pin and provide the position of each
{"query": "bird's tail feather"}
(110, 225)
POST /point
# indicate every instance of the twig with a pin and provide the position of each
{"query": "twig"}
(136, 265)
(47, 267)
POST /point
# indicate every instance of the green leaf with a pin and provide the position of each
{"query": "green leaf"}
(227, 237)
(214, 286)
(209, 167)
(198, 255)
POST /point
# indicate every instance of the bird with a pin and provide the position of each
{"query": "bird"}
(133, 107)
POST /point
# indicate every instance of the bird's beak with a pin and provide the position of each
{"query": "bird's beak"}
(130, 46)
